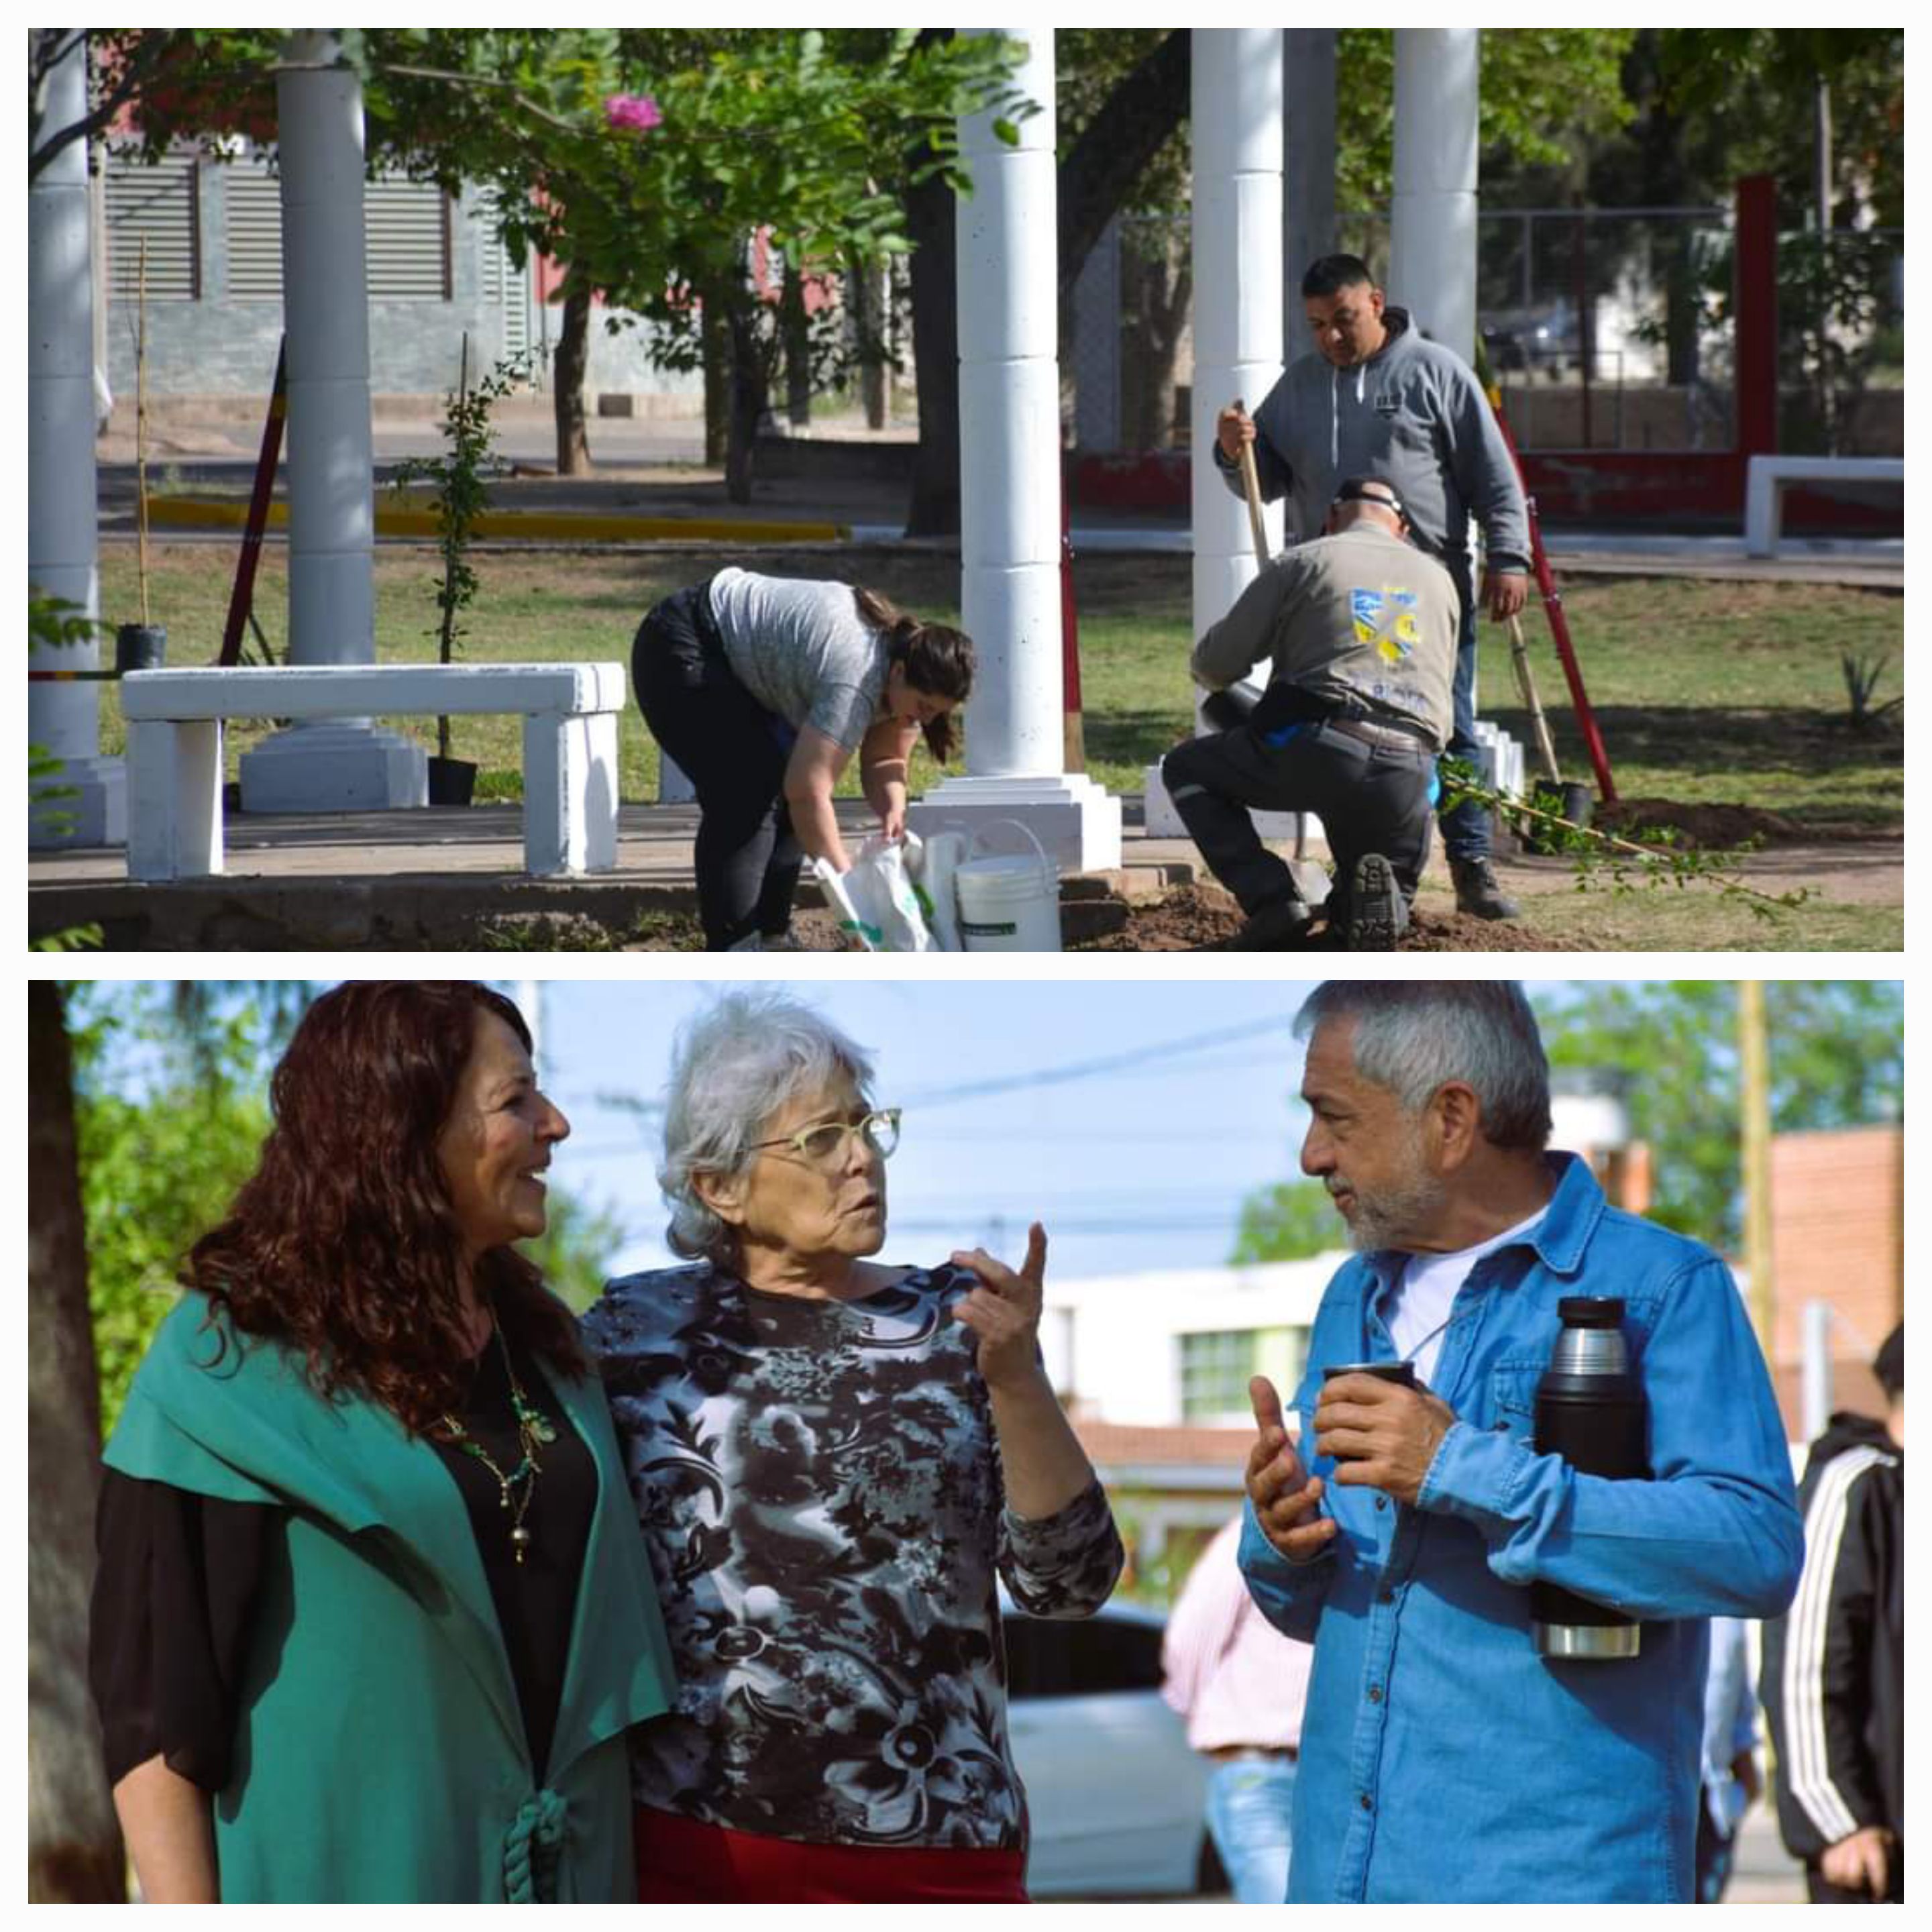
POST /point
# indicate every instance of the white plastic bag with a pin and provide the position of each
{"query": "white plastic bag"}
(876, 901)
(932, 865)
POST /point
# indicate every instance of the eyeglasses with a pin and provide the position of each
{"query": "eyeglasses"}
(825, 1145)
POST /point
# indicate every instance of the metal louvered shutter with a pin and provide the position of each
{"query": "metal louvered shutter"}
(158, 205)
(252, 221)
(407, 223)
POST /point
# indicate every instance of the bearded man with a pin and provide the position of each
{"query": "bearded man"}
(1444, 1756)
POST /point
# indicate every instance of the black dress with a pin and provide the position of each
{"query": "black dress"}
(179, 1574)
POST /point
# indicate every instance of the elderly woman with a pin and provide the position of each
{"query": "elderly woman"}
(761, 688)
(371, 1614)
(835, 1461)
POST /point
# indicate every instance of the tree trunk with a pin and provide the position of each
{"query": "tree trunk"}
(932, 217)
(1140, 112)
(573, 363)
(1157, 287)
(865, 308)
(751, 390)
(797, 327)
(717, 344)
(73, 1844)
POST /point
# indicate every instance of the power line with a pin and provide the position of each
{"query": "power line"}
(1130, 1062)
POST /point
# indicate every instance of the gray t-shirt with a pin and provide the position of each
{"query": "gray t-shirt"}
(800, 648)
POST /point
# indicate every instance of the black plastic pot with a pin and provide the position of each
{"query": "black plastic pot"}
(140, 647)
(1569, 801)
(452, 781)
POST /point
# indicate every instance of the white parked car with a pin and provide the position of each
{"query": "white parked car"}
(1115, 1795)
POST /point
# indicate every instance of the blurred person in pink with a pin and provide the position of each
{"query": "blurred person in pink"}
(1239, 1685)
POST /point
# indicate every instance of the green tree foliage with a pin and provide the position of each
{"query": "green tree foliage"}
(578, 1247)
(168, 1125)
(171, 1109)
(1288, 1222)
(1836, 1060)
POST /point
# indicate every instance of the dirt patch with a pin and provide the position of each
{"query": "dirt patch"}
(1194, 918)
(1703, 828)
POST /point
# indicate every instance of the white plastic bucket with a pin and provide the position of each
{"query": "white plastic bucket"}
(1009, 903)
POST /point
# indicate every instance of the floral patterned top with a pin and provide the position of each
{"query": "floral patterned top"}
(819, 1486)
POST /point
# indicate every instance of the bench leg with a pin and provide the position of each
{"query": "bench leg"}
(1764, 499)
(174, 799)
(570, 793)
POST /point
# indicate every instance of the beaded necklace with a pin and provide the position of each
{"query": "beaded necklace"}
(533, 1428)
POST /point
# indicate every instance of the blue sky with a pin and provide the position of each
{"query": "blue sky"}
(1141, 1168)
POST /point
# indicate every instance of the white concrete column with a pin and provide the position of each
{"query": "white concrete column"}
(327, 766)
(1236, 116)
(1308, 195)
(1238, 279)
(1432, 225)
(62, 533)
(1010, 494)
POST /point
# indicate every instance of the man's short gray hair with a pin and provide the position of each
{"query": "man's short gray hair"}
(1413, 1036)
(743, 1061)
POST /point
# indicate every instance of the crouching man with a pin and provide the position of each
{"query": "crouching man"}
(1444, 1757)
(1361, 628)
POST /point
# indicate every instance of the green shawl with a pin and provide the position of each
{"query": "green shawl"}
(379, 1753)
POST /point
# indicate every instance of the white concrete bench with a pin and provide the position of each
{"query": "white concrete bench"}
(1767, 477)
(174, 747)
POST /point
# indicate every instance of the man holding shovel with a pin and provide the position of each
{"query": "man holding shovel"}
(1375, 399)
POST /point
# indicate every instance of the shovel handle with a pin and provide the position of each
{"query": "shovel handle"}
(1251, 487)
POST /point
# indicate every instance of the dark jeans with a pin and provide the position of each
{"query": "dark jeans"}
(1369, 797)
(734, 752)
(1465, 828)
(1716, 1854)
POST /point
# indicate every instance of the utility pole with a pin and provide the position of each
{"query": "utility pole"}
(1754, 1117)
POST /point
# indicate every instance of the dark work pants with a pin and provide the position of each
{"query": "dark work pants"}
(1370, 798)
(1465, 828)
(734, 751)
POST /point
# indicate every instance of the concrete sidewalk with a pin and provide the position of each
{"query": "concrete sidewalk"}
(441, 878)
(651, 468)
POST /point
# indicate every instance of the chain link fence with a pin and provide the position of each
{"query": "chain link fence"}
(1608, 329)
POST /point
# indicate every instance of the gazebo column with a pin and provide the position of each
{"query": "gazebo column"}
(62, 531)
(327, 767)
(1237, 123)
(1010, 498)
(1308, 194)
(1431, 269)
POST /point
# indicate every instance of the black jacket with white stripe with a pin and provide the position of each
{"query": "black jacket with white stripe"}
(1833, 1683)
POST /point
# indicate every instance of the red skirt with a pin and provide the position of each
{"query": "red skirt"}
(681, 1862)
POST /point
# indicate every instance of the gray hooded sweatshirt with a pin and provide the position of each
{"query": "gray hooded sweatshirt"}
(1413, 414)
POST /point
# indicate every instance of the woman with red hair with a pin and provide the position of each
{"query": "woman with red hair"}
(372, 1615)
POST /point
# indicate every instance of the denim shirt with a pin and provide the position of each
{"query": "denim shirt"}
(1441, 1759)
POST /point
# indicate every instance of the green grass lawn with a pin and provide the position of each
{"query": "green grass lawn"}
(1705, 691)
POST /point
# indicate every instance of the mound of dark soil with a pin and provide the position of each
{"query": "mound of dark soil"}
(1703, 828)
(1191, 918)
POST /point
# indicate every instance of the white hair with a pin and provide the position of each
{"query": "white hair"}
(1413, 1036)
(735, 1067)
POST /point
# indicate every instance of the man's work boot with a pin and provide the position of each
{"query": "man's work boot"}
(1378, 914)
(1281, 923)
(1477, 892)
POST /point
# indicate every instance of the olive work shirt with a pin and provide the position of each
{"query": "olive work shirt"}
(1363, 620)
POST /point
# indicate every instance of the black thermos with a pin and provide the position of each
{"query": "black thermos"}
(1590, 1410)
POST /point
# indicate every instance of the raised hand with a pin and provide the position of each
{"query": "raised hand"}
(1286, 1498)
(1004, 1310)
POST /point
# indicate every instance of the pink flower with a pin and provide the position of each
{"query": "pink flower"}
(637, 111)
